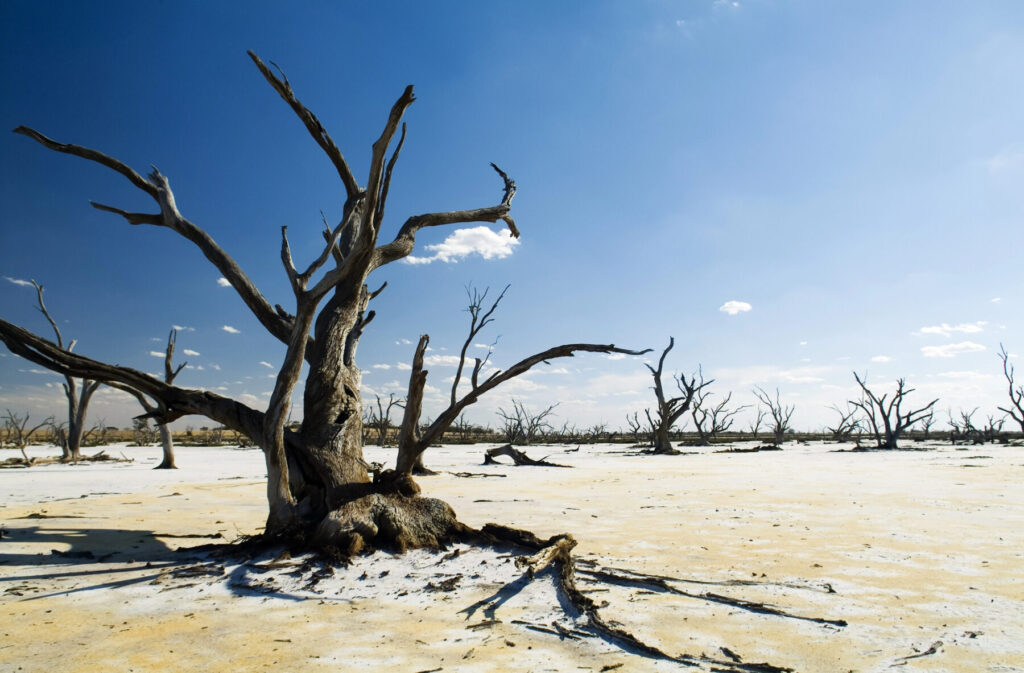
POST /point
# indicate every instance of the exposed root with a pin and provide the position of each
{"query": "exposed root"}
(556, 552)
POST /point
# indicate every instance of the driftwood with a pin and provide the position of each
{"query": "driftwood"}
(517, 456)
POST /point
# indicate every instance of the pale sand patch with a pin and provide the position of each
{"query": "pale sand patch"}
(917, 547)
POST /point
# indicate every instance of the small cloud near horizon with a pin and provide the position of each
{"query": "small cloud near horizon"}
(996, 300)
(157, 354)
(231, 330)
(945, 329)
(735, 307)
(190, 352)
(266, 364)
(951, 350)
(183, 328)
(223, 282)
(881, 358)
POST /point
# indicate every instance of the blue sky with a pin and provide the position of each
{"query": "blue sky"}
(851, 172)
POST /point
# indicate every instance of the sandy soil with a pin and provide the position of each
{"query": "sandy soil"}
(918, 552)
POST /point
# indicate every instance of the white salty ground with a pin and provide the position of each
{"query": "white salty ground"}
(919, 552)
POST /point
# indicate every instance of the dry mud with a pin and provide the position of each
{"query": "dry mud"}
(918, 552)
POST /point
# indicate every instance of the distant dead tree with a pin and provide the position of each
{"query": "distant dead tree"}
(887, 420)
(927, 422)
(709, 419)
(520, 425)
(755, 425)
(993, 427)
(155, 409)
(1015, 390)
(669, 409)
(380, 418)
(78, 392)
(847, 424)
(413, 439)
(19, 434)
(963, 426)
(643, 433)
(780, 413)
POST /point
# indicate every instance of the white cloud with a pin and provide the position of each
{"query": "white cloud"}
(441, 360)
(1006, 160)
(403, 366)
(951, 350)
(189, 351)
(803, 343)
(614, 356)
(223, 282)
(965, 376)
(266, 364)
(217, 367)
(403, 342)
(182, 328)
(157, 354)
(881, 358)
(382, 366)
(996, 300)
(18, 281)
(945, 329)
(735, 307)
(231, 330)
(464, 242)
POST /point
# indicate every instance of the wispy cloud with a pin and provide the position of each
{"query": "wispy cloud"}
(996, 300)
(1007, 159)
(231, 330)
(441, 360)
(183, 328)
(401, 366)
(735, 307)
(18, 281)
(381, 366)
(464, 242)
(266, 364)
(189, 351)
(945, 329)
(881, 358)
(951, 350)
(223, 282)
(403, 342)
(156, 354)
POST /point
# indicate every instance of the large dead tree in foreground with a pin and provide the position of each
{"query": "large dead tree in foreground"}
(887, 420)
(669, 409)
(1016, 391)
(318, 482)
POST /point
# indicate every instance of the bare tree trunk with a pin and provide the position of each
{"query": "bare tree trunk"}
(166, 443)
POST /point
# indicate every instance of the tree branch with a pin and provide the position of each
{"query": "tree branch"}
(404, 242)
(313, 125)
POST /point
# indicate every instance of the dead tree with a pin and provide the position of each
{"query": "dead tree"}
(413, 439)
(669, 410)
(847, 424)
(709, 419)
(1016, 391)
(19, 434)
(380, 419)
(78, 393)
(318, 483)
(993, 427)
(643, 434)
(779, 412)
(755, 425)
(893, 421)
(927, 422)
(963, 428)
(523, 426)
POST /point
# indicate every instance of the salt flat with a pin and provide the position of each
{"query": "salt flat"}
(918, 552)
